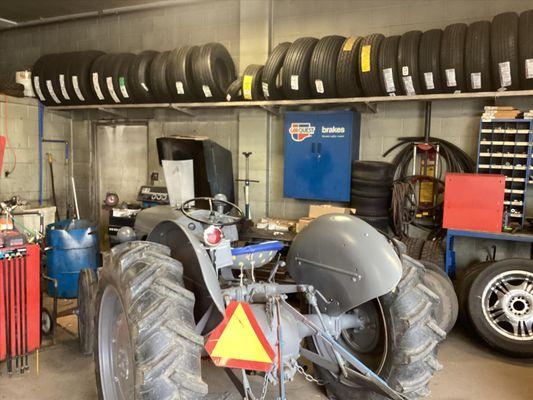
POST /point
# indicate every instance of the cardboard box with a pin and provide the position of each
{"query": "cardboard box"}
(316, 211)
(302, 223)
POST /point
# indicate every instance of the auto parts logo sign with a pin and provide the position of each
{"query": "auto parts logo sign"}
(300, 131)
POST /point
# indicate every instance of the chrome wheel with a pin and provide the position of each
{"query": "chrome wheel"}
(114, 348)
(507, 303)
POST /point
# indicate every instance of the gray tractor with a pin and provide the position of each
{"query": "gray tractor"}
(364, 318)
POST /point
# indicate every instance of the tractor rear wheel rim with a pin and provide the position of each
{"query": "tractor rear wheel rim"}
(507, 303)
(114, 348)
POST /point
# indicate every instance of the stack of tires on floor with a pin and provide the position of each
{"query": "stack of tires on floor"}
(482, 56)
(496, 300)
(186, 74)
(371, 192)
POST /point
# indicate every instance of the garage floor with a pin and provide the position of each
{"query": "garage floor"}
(471, 371)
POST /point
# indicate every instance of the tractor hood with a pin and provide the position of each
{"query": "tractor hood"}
(346, 260)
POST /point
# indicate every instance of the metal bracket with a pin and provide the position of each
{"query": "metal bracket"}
(113, 111)
(271, 109)
(183, 110)
(372, 107)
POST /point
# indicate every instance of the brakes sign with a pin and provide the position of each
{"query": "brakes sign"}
(239, 342)
(300, 131)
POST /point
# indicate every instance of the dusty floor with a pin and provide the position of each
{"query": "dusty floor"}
(471, 371)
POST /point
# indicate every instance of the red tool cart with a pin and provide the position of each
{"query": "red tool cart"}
(20, 327)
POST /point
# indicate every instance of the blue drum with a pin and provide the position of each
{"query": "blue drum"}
(73, 246)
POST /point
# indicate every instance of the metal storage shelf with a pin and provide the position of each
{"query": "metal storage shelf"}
(270, 105)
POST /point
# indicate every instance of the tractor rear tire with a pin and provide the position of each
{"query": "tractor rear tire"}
(146, 344)
(414, 335)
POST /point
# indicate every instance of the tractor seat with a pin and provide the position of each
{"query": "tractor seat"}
(255, 255)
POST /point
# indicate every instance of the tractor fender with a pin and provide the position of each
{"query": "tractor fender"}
(346, 260)
(199, 273)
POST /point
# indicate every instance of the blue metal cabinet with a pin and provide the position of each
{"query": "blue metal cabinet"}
(319, 149)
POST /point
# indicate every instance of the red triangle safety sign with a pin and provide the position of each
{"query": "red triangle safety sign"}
(239, 342)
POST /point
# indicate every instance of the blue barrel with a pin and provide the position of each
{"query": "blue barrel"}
(73, 246)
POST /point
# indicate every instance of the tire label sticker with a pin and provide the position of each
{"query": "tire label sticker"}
(319, 85)
(505, 73)
(145, 87)
(52, 92)
(96, 86)
(76, 86)
(122, 86)
(294, 82)
(207, 91)
(451, 81)
(388, 78)
(264, 85)
(529, 68)
(38, 88)
(475, 80)
(408, 83)
(428, 80)
(63, 88)
(348, 44)
(247, 81)
(405, 70)
(365, 58)
(111, 88)
(228, 97)
(179, 87)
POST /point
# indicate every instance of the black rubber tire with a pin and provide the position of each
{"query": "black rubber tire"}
(388, 66)
(452, 58)
(139, 77)
(213, 72)
(234, 92)
(271, 78)
(251, 83)
(447, 310)
(477, 57)
(51, 77)
(98, 83)
(79, 76)
(46, 322)
(462, 288)
(39, 85)
(120, 77)
(525, 50)
(504, 49)
(429, 61)
(373, 171)
(370, 206)
(369, 73)
(348, 82)
(323, 67)
(413, 246)
(295, 75)
(408, 50)
(179, 74)
(66, 90)
(158, 78)
(515, 348)
(371, 189)
(112, 69)
(159, 310)
(414, 338)
(433, 251)
(87, 287)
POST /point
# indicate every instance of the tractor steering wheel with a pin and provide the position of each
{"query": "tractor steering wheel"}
(214, 217)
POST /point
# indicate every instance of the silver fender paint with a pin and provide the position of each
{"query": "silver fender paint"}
(346, 260)
(198, 272)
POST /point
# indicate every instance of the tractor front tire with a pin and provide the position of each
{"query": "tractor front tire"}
(413, 337)
(146, 345)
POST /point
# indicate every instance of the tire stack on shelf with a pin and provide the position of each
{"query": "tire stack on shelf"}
(371, 192)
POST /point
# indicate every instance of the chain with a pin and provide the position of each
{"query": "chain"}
(308, 377)
(265, 387)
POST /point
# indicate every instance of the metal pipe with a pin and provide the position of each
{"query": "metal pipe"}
(427, 122)
(101, 13)
(41, 129)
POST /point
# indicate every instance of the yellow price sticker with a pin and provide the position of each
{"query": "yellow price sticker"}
(365, 58)
(348, 44)
(247, 87)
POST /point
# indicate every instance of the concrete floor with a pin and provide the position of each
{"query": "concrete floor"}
(471, 371)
